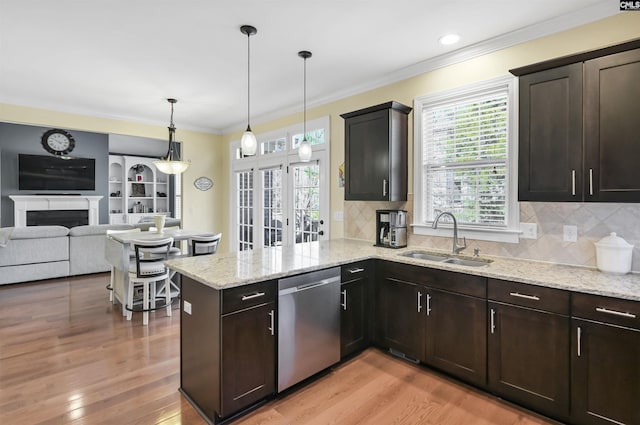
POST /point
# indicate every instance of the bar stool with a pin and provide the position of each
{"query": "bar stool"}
(204, 244)
(112, 278)
(147, 269)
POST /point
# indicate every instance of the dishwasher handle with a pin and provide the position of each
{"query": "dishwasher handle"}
(307, 286)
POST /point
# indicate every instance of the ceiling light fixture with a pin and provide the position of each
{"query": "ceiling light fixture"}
(248, 143)
(449, 39)
(304, 150)
(172, 163)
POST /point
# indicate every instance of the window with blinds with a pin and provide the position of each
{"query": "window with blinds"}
(465, 158)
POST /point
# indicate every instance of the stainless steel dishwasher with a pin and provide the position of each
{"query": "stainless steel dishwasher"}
(308, 325)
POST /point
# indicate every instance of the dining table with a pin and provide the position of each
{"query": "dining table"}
(118, 250)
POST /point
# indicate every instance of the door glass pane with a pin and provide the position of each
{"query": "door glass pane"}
(272, 206)
(244, 209)
(314, 137)
(273, 146)
(306, 198)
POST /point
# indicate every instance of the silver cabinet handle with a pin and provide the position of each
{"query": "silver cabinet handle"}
(493, 321)
(573, 182)
(271, 328)
(384, 187)
(249, 297)
(419, 303)
(428, 304)
(615, 313)
(591, 181)
(344, 299)
(354, 271)
(579, 340)
(527, 297)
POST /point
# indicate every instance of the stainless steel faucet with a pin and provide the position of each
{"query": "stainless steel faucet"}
(456, 246)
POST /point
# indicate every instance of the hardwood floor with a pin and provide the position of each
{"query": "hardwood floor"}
(67, 356)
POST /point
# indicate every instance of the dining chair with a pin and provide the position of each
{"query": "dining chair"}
(112, 278)
(204, 244)
(174, 251)
(148, 269)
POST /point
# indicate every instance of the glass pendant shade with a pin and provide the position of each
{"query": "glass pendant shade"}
(171, 167)
(248, 143)
(304, 151)
(171, 164)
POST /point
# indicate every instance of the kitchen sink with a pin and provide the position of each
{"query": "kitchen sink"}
(425, 256)
(444, 258)
(465, 262)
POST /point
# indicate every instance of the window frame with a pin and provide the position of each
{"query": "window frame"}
(510, 232)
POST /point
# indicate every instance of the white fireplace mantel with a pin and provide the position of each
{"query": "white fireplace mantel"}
(24, 203)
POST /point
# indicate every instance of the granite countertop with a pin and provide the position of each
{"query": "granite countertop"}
(229, 270)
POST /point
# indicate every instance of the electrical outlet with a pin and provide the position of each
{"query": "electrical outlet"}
(338, 216)
(570, 233)
(187, 307)
(529, 231)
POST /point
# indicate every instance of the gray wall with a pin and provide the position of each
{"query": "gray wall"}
(18, 138)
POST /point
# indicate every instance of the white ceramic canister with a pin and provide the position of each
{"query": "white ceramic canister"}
(613, 254)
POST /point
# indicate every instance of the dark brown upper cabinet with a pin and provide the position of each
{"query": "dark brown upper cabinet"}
(579, 139)
(612, 128)
(376, 153)
(550, 142)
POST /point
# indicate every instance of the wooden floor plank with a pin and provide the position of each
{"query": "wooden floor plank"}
(67, 356)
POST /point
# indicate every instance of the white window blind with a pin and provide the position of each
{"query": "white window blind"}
(465, 158)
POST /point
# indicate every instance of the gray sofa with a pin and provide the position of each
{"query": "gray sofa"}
(46, 252)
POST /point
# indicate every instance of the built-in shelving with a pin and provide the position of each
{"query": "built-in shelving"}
(136, 189)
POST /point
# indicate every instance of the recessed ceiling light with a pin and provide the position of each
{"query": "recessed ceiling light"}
(449, 39)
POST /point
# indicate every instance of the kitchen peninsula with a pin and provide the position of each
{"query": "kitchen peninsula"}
(229, 314)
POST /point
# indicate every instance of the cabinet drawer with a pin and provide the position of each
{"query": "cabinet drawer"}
(461, 283)
(532, 296)
(358, 270)
(248, 296)
(604, 309)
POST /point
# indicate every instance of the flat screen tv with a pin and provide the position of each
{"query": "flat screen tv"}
(39, 172)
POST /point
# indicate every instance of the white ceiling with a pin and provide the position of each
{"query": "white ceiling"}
(123, 58)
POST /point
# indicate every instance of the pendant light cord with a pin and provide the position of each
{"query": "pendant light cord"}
(304, 115)
(248, 80)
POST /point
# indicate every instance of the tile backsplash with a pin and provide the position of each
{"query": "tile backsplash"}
(593, 220)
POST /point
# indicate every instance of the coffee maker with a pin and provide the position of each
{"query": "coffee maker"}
(391, 228)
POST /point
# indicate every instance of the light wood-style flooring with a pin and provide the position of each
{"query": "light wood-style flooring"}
(67, 356)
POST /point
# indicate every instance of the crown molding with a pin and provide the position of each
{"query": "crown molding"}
(552, 26)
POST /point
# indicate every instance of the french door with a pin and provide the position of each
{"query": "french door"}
(277, 199)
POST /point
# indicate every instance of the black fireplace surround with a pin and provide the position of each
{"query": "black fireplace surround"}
(67, 218)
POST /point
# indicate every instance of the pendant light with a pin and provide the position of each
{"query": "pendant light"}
(304, 150)
(172, 163)
(248, 142)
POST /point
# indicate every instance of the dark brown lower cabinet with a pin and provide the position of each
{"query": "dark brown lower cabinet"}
(529, 358)
(354, 314)
(605, 361)
(400, 320)
(248, 357)
(606, 374)
(528, 346)
(227, 346)
(455, 338)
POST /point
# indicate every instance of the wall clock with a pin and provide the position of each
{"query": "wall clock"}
(58, 142)
(203, 183)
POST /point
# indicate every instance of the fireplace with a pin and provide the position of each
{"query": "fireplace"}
(67, 218)
(55, 208)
